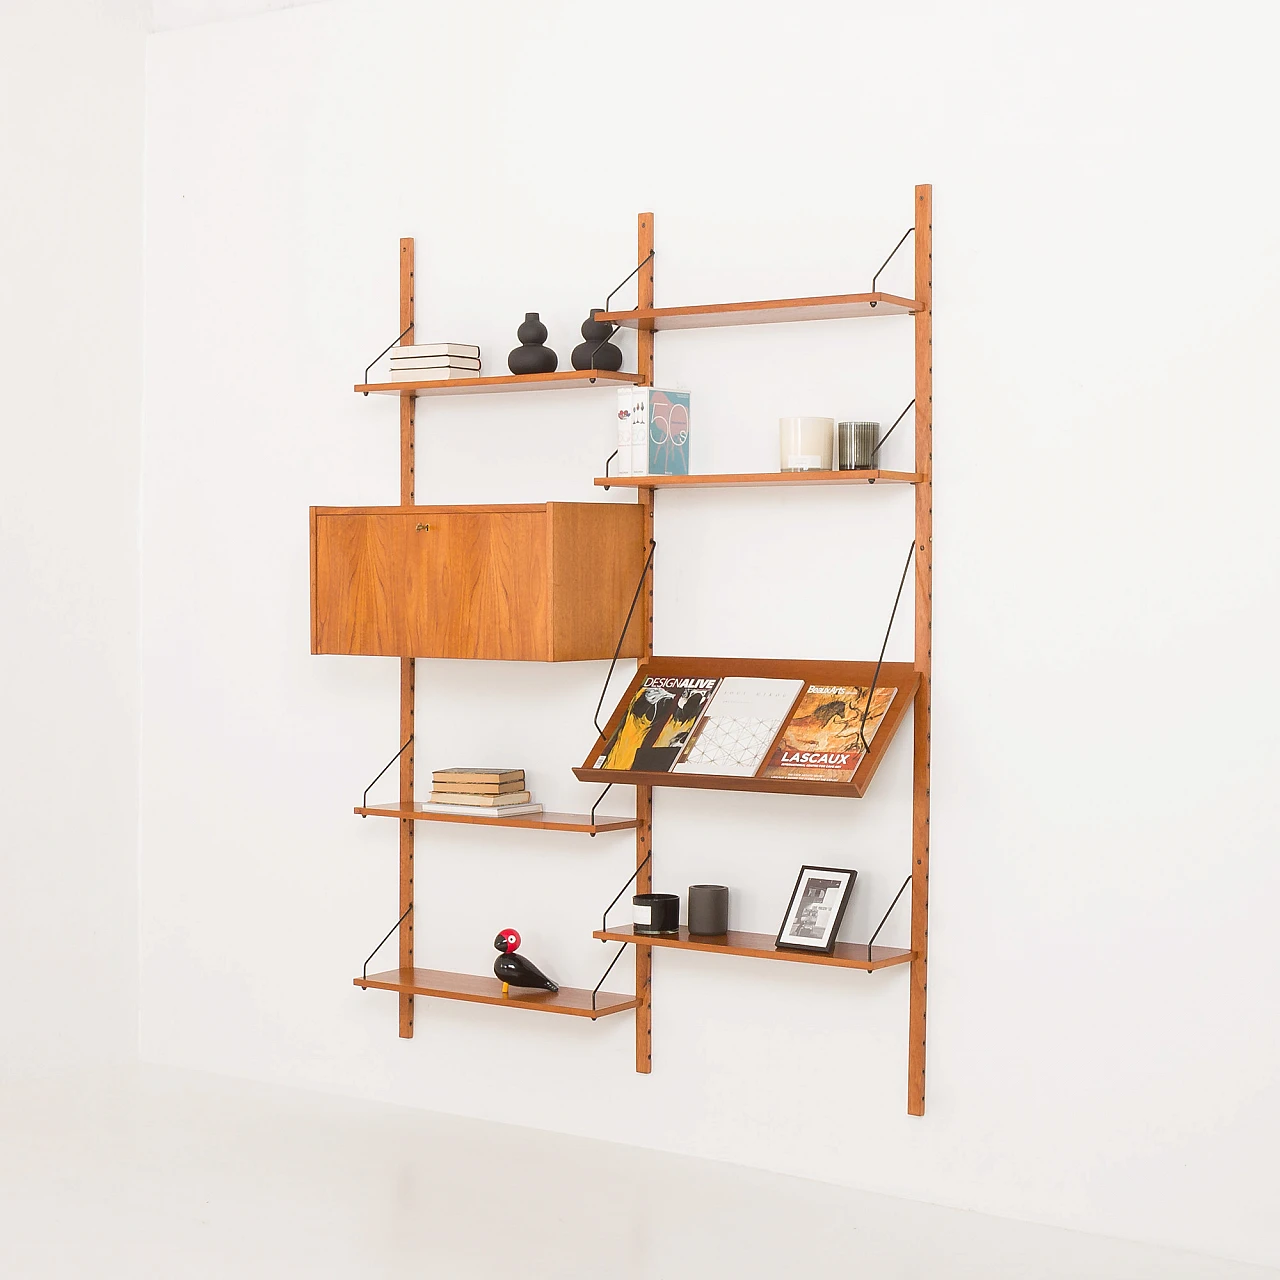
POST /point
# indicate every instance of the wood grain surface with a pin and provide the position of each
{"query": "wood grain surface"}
(408, 673)
(840, 306)
(757, 478)
(923, 653)
(564, 380)
(477, 989)
(761, 946)
(547, 820)
(524, 583)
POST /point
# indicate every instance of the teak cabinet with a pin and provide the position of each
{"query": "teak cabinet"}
(545, 583)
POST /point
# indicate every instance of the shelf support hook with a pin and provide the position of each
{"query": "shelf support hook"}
(887, 914)
(871, 693)
(887, 434)
(608, 301)
(364, 972)
(605, 974)
(364, 803)
(595, 806)
(886, 262)
(648, 564)
(604, 919)
(383, 352)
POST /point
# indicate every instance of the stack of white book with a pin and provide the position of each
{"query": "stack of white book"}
(435, 362)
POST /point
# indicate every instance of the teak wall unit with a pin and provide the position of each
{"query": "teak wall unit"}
(367, 557)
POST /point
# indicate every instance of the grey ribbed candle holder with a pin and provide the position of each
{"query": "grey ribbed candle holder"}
(708, 909)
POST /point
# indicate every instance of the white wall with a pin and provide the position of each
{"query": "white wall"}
(71, 93)
(1103, 1045)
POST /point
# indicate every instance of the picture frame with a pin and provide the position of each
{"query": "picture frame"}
(816, 910)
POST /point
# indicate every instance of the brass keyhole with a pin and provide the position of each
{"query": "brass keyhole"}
(421, 528)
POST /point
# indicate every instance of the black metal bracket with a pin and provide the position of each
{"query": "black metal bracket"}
(887, 914)
(889, 259)
(648, 564)
(364, 804)
(609, 300)
(887, 434)
(595, 991)
(604, 919)
(608, 460)
(382, 353)
(364, 972)
(871, 693)
(595, 806)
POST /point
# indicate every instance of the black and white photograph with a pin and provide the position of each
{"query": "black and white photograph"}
(816, 909)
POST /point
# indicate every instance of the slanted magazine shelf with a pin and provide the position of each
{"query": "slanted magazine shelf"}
(899, 676)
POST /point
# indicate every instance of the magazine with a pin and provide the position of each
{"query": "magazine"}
(824, 740)
(738, 727)
(656, 727)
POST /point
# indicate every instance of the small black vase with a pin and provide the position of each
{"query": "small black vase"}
(595, 352)
(531, 356)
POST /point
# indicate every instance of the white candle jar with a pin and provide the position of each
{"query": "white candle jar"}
(805, 444)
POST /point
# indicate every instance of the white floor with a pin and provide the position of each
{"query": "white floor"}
(155, 1173)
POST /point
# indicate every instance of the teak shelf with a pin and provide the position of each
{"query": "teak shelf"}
(507, 382)
(545, 821)
(758, 478)
(912, 680)
(761, 946)
(838, 306)
(900, 675)
(476, 989)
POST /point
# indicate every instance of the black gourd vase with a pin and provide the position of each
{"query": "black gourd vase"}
(531, 356)
(596, 352)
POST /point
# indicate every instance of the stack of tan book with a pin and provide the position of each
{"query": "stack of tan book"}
(495, 793)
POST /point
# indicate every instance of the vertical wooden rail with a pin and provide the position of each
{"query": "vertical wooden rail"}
(644, 795)
(924, 649)
(407, 414)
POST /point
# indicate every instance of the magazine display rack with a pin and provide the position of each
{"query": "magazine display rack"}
(911, 680)
(900, 676)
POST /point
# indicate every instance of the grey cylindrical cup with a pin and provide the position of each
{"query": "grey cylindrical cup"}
(708, 909)
(856, 445)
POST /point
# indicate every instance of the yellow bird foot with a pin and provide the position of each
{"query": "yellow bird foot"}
(504, 988)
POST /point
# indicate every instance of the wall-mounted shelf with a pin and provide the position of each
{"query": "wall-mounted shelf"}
(760, 946)
(838, 306)
(524, 382)
(899, 675)
(545, 821)
(475, 989)
(763, 478)
(410, 582)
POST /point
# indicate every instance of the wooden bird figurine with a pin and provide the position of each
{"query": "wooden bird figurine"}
(514, 970)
